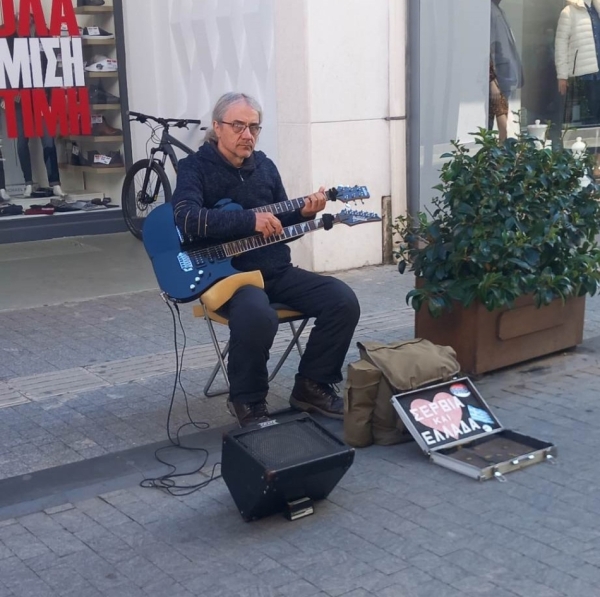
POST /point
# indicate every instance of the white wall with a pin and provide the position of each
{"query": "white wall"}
(333, 95)
(183, 54)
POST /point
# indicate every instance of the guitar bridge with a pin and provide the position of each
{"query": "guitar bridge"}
(185, 263)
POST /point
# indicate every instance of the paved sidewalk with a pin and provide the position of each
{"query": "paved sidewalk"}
(84, 388)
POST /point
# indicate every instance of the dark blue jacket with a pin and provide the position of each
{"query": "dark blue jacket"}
(205, 178)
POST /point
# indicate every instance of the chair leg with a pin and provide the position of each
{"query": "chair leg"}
(219, 366)
(294, 341)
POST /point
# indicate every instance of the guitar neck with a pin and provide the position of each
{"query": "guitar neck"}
(233, 248)
(286, 206)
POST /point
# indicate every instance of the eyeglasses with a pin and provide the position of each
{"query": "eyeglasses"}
(240, 127)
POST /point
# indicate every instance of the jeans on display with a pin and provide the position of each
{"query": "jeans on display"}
(49, 147)
(591, 93)
(2, 176)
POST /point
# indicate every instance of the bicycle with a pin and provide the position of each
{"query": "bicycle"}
(142, 194)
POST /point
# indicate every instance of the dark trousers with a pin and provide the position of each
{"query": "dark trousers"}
(2, 176)
(591, 93)
(48, 145)
(253, 325)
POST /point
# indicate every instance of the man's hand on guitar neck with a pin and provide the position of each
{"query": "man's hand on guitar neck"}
(268, 224)
(314, 203)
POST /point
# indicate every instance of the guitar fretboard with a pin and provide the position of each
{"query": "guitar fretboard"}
(233, 248)
(282, 207)
(286, 206)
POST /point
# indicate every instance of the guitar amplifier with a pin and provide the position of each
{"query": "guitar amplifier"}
(282, 466)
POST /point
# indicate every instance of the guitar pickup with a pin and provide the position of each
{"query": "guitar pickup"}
(185, 263)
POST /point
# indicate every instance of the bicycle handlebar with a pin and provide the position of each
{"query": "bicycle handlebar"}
(166, 122)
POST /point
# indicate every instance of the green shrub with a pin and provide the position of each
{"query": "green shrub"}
(511, 220)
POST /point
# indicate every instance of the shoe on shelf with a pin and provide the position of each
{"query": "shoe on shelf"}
(112, 159)
(90, 2)
(311, 396)
(98, 95)
(61, 205)
(40, 210)
(249, 413)
(57, 191)
(8, 209)
(96, 33)
(100, 63)
(102, 201)
(103, 129)
(77, 158)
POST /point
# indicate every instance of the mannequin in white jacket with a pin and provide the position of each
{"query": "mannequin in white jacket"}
(576, 53)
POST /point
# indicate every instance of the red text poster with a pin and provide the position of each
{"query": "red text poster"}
(42, 69)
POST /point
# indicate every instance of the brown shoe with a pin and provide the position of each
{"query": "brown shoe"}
(311, 396)
(249, 413)
(104, 129)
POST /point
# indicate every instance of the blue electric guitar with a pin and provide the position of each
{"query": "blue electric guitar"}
(184, 273)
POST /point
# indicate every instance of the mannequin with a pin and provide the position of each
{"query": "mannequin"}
(48, 145)
(577, 51)
(4, 196)
(506, 70)
(498, 106)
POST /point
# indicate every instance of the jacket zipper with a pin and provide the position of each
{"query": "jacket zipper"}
(575, 62)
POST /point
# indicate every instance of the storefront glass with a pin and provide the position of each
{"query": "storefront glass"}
(61, 109)
(501, 64)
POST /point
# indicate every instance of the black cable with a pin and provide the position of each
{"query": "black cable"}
(167, 481)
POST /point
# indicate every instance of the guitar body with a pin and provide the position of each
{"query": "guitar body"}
(178, 275)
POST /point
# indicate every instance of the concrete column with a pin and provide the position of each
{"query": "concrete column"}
(332, 71)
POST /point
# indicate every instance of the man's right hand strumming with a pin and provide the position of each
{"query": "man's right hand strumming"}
(268, 224)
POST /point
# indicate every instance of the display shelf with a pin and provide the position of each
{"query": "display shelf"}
(96, 139)
(100, 107)
(98, 42)
(92, 169)
(94, 75)
(91, 10)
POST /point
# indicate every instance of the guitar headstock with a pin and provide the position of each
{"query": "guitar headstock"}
(346, 194)
(353, 218)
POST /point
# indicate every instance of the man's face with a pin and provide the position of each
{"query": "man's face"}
(236, 147)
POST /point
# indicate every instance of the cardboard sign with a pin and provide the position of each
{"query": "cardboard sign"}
(445, 414)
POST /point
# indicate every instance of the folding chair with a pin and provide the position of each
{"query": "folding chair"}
(216, 296)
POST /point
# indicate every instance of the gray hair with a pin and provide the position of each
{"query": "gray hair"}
(223, 104)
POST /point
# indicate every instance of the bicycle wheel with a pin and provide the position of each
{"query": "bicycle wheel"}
(146, 186)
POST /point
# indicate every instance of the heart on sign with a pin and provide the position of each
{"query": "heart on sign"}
(444, 413)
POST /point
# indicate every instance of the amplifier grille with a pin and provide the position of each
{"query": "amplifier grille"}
(287, 444)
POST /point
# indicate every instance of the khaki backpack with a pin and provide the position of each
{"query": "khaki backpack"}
(385, 370)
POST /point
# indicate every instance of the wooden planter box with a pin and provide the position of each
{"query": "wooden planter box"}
(487, 340)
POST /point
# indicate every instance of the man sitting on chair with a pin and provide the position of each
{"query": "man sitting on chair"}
(227, 167)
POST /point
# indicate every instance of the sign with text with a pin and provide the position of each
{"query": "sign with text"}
(445, 413)
(42, 70)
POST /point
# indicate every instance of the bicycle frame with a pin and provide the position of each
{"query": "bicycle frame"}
(166, 144)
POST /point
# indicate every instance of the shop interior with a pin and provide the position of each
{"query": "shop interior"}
(547, 41)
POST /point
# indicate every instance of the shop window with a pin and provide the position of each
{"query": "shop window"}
(61, 121)
(545, 59)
